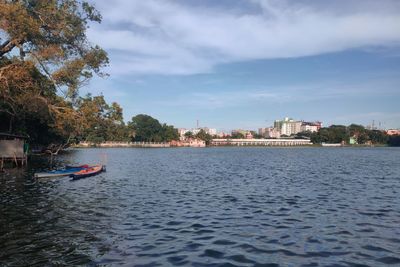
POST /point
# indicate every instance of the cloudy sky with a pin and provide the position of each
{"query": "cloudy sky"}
(244, 63)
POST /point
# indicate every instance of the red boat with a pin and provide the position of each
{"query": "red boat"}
(92, 170)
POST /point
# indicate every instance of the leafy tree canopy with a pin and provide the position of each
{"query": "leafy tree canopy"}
(44, 58)
(341, 133)
(149, 129)
(204, 136)
(52, 36)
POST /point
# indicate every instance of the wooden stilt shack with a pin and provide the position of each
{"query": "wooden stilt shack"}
(14, 149)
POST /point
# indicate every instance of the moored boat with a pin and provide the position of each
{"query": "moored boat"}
(93, 170)
(57, 173)
(77, 166)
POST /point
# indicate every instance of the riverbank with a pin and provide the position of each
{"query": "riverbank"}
(116, 144)
(229, 144)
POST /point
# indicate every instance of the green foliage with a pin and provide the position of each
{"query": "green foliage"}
(256, 135)
(204, 136)
(44, 54)
(189, 134)
(341, 133)
(148, 129)
(102, 122)
(237, 135)
(30, 105)
(169, 133)
(52, 34)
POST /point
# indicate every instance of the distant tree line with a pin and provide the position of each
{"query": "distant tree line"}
(105, 123)
(341, 133)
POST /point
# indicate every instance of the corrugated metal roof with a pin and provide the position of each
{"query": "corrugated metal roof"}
(7, 135)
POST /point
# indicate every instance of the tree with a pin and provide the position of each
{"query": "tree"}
(340, 133)
(149, 129)
(44, 58)
(256, 135)
(394, 140)
(377, 137)
(102, 122)
(30, 105)
(169, 133)
(52, 36)
(189, 134)
(237, 135)
(204, 136)
(146, 128)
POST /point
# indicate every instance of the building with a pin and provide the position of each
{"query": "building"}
(190, 142)
(269, 132)
(13, 148)
(221, 134)
(261, 142)
(393, 132)
(288, 126)
(353, 140)
(291, 127)
(310, 126)
(239, 131)
(245, 133)
(194, 131)
(272, 133)
(182, 132)
(210, 131)
(249, 135)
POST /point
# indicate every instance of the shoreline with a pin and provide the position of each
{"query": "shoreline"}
(243, 146)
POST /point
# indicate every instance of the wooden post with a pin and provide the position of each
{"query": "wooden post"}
(15, 159)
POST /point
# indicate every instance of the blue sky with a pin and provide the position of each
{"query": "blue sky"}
(244, 63)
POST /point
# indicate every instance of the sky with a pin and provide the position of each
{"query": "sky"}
(244, 63)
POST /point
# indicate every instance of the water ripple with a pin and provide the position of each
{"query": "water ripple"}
(207, 207)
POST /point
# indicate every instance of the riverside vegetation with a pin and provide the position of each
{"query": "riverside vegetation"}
(45, 58)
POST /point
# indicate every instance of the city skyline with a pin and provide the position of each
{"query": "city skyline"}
(242, 64)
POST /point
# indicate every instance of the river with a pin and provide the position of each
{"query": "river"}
(227, 206)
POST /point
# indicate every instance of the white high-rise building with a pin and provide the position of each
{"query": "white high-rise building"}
(288, 126)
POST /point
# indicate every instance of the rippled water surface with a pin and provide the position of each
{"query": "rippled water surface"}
(208, 207)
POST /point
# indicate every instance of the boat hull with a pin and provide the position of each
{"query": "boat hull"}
(58, 173)
(88, 172)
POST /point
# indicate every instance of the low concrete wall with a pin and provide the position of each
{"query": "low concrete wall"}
(124, 144)
(260, 142)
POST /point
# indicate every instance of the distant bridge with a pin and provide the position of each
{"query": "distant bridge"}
(260, 142)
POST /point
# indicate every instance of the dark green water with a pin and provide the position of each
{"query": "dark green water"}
(207, 207)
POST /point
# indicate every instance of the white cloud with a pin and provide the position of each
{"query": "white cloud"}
(170, 37)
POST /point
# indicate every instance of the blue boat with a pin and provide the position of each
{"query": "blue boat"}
(57, 173)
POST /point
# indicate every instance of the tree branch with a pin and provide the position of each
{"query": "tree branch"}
(9, 45)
